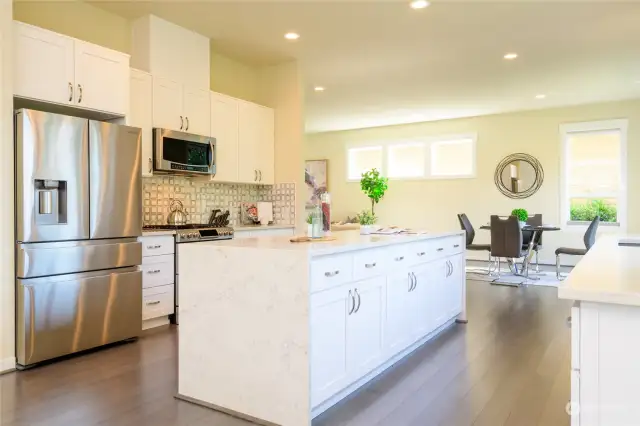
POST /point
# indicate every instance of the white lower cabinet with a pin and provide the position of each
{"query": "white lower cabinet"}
(158, 278)
(399, 311)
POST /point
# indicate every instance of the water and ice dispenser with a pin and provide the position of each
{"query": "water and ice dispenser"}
(50, 202)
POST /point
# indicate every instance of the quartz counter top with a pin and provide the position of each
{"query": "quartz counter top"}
(260, 227)
(345, 241)
(158, 232)
(608, 273)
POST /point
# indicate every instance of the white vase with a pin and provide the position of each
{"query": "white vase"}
(522, 224)
(366, 229)
(309, 230)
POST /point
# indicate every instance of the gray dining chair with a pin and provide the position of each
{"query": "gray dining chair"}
(506, 239)
(589, 239)
(466, 226)
(535, 220)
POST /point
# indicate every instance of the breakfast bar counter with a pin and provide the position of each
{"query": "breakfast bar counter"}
(277, 332)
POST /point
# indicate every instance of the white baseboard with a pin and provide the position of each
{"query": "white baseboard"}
(155, 322)
(7, 365)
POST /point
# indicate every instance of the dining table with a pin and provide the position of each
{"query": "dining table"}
(536, 231)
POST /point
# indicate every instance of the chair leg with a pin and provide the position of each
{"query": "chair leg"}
(498, 271)
(558, 276)
(537, 262)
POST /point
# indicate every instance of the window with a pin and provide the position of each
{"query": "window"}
(363, 159)
(594, 172)
(449, 157)
(453, 158)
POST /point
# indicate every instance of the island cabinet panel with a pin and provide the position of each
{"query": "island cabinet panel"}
(425, 301)
(400, 303)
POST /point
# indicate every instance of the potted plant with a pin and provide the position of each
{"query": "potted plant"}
(310, 225)
(367, 221)
(374, 186)
(522, 216)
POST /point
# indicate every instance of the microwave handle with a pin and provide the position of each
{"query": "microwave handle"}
(213, 154)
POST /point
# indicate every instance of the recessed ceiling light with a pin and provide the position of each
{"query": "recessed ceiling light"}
(419, 4)
(511, 56)
(319, 89)
(292, 36)
(541, 96)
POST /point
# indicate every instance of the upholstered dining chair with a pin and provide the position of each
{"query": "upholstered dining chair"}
(535, 220)
(589, 239)
(466, 226)
(506, 239)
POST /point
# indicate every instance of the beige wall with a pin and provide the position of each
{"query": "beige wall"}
(282, 89)
(234, 78)
(79, 20)
(433, 204)
(7, 282)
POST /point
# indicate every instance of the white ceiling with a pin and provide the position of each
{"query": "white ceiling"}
(383, 63)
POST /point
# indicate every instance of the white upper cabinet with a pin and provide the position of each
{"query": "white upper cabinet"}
(141, 115)
(224, 128)
(167, 104)
(54, 68)
(196, 109)
(102, 78)
(167, 50)
(43, 64)
(256, 144)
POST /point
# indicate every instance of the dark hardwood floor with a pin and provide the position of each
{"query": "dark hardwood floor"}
(508, 366)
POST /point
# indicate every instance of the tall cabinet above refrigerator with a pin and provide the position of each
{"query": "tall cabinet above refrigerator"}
(78, 216)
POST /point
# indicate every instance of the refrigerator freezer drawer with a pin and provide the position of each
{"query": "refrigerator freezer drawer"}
(44, 259)
(61, 315)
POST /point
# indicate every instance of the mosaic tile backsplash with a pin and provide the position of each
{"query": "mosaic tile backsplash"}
(200, 197)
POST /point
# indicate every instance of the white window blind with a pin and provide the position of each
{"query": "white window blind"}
(363, 159)
(453, 158)
(406, 160)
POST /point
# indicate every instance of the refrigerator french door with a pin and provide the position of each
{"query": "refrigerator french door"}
(78, 216)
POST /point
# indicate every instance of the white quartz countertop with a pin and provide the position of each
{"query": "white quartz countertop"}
(608, 273)
(261, 227)
(345, 241)
(158, 233)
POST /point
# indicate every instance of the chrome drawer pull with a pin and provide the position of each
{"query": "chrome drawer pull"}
(440, 249)
(398, 259)
(569, 322)
(421, 253)
(154, 247)
(456, 245)
(157, 302)
(154, 271)
(331, 274)
(370, 265)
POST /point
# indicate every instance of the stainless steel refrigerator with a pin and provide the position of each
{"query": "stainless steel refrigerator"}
(78, 216)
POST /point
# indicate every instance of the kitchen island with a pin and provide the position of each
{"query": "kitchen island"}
(605, 343)
(277, 332)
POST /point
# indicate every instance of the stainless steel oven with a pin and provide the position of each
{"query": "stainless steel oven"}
(178, 152)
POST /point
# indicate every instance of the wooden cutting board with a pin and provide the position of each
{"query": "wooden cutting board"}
(305, 239)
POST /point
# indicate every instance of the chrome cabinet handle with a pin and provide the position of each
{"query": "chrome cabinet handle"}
(410, 282)
(421, 253)
(331, 273)
(440, 249)
(456, 245)
(155, 302)
(400, 258)
(70, 92)
(353, 303)
(359, 301)
(187, 120)
(154, 247)
(181, 123)
(150, 165)
(153, 271)
(260, 173)
(449, 268)
(79, 93)
(370, 265)
(569, 321)
(255, 175)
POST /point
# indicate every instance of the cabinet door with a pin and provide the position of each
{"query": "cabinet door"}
(455, 284)
(43, 64)
(224, 128)
(438, 271)
(398, 329)
(102, 78)
(196, 107)
(248, 142)
(265, 124)
(426, 301)
(141, 115)
(167, 104)
(329, 312)
(365, 327)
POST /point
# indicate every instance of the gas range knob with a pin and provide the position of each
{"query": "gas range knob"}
(194, 235)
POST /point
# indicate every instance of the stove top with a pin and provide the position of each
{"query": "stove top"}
(193, 232)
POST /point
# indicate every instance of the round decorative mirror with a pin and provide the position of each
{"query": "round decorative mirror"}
(519, 175)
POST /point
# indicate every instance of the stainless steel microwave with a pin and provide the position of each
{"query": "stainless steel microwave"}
(186, 153)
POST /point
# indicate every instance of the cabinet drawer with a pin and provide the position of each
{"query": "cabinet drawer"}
(369, 263)
(329, 271)
(157, 302)
(157, 270)
(156, 246)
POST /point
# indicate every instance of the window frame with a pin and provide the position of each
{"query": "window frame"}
(364, 148)
(428, 142)
(566, 130)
